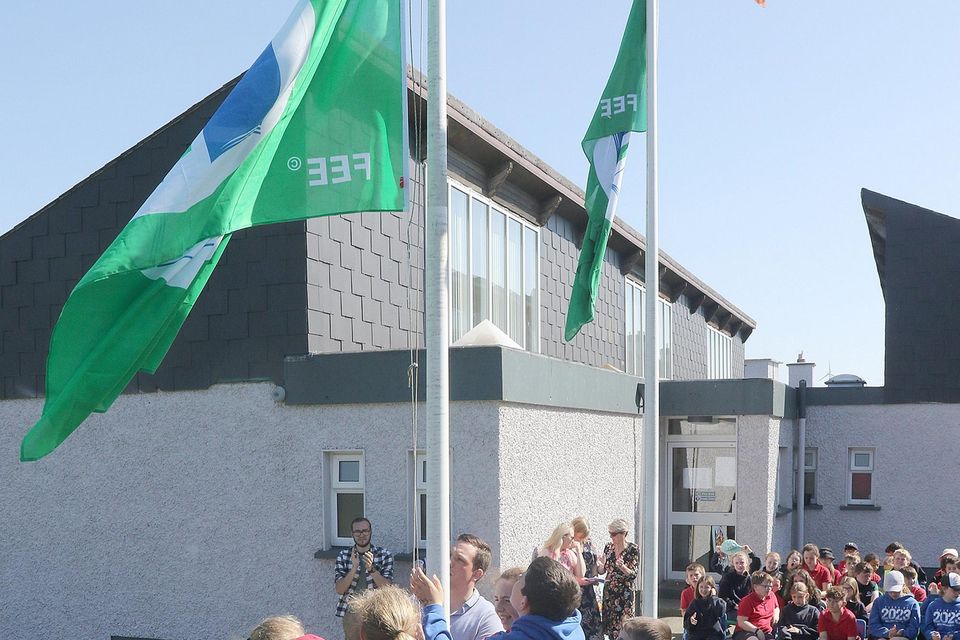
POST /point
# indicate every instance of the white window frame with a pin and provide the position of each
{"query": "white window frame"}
(634, 368)
(807, 468)
(524, 226)
(337, 487)
(853, 468)
(665, 317)
(719, 362)
(418, 487)
(665, 311)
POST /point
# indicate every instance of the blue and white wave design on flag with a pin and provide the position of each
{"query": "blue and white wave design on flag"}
(245, 108)
(247, 115)
(609, 160)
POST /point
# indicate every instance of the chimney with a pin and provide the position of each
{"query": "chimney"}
(761, 368)
(800, 370)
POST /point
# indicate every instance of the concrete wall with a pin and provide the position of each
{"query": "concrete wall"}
(782, 537)
(557, 464)
(913, 488)
(194, 514)
(758, 439)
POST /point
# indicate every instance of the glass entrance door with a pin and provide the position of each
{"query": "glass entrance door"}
(701, 501)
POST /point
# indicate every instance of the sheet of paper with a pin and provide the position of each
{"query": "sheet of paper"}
(726, 475)
(698, 478)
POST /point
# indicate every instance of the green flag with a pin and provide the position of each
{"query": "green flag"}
(315, 127)
(622, 109)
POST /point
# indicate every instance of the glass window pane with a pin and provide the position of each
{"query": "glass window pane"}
(810, 460)
(861, 460)
(478, 264)
(704, 479)
(702, 426)
(638, 324)
(514, 279)
(697, 544)
(531, 314)
(349, 506)
(423, 471)
(631, 367)
(664, 339)
(423, 517)
(809, 487)
(459, 255)
(348, 470)
(498, 269)
(861, 486)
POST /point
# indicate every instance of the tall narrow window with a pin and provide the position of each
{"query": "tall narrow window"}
(459, 261)
(478, 264)
(420, 495)
(515, 281)
(531, 309)
(860, 484)
(633, 312)
(346, 494)
(809, 475)
(719, 362)
(665, 338)
(498, 268)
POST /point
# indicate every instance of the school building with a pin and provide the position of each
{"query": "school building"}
(219, 490)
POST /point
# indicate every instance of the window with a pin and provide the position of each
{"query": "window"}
(665, 338)
(860, 485)
(785, 483)
(634, 303)
(346, 495)
(719, 366)
(634, 332)
(494, 270)
(419, 528)
(809, 476)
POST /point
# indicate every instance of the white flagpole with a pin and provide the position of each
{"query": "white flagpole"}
(651, 371)
(436, 313)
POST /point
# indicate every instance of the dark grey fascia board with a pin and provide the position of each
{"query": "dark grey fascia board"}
(750, 396)
(825, 396)
(376, 377)
(510, 375)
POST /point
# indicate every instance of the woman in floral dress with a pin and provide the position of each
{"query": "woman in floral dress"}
(620, 559)
(589, 607)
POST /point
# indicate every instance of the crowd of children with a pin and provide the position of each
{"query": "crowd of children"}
(808, 597)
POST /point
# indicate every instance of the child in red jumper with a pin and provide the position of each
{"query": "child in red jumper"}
(758, 612)
(695, 571)
(910, 579)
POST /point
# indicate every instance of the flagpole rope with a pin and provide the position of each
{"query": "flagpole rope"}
(414, 232)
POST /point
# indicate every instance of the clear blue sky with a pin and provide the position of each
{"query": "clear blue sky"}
(771, 122)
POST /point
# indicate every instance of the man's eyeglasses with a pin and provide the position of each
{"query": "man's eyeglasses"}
(358, 532)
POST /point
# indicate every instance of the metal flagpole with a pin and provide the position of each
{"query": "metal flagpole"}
(651, 371)
(436, 312)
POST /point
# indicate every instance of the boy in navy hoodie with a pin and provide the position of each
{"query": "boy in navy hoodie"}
(942, 618)
(546, 596)
(895, 613)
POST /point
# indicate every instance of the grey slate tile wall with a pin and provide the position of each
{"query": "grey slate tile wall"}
(252, 313)
(921, 268)
(602, 341)
(691, 340)
(359, 277)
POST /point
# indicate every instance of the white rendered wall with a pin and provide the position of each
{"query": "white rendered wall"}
(556, 464)
(195, 514)
(782, 538)
(758, 439)
(915, 454)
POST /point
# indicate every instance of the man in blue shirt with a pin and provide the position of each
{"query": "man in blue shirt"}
(472, 617)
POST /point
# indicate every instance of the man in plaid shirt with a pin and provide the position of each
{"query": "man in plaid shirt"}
(363, 566)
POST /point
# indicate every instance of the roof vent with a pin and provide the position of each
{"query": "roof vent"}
(486, 334)
(846, 380)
